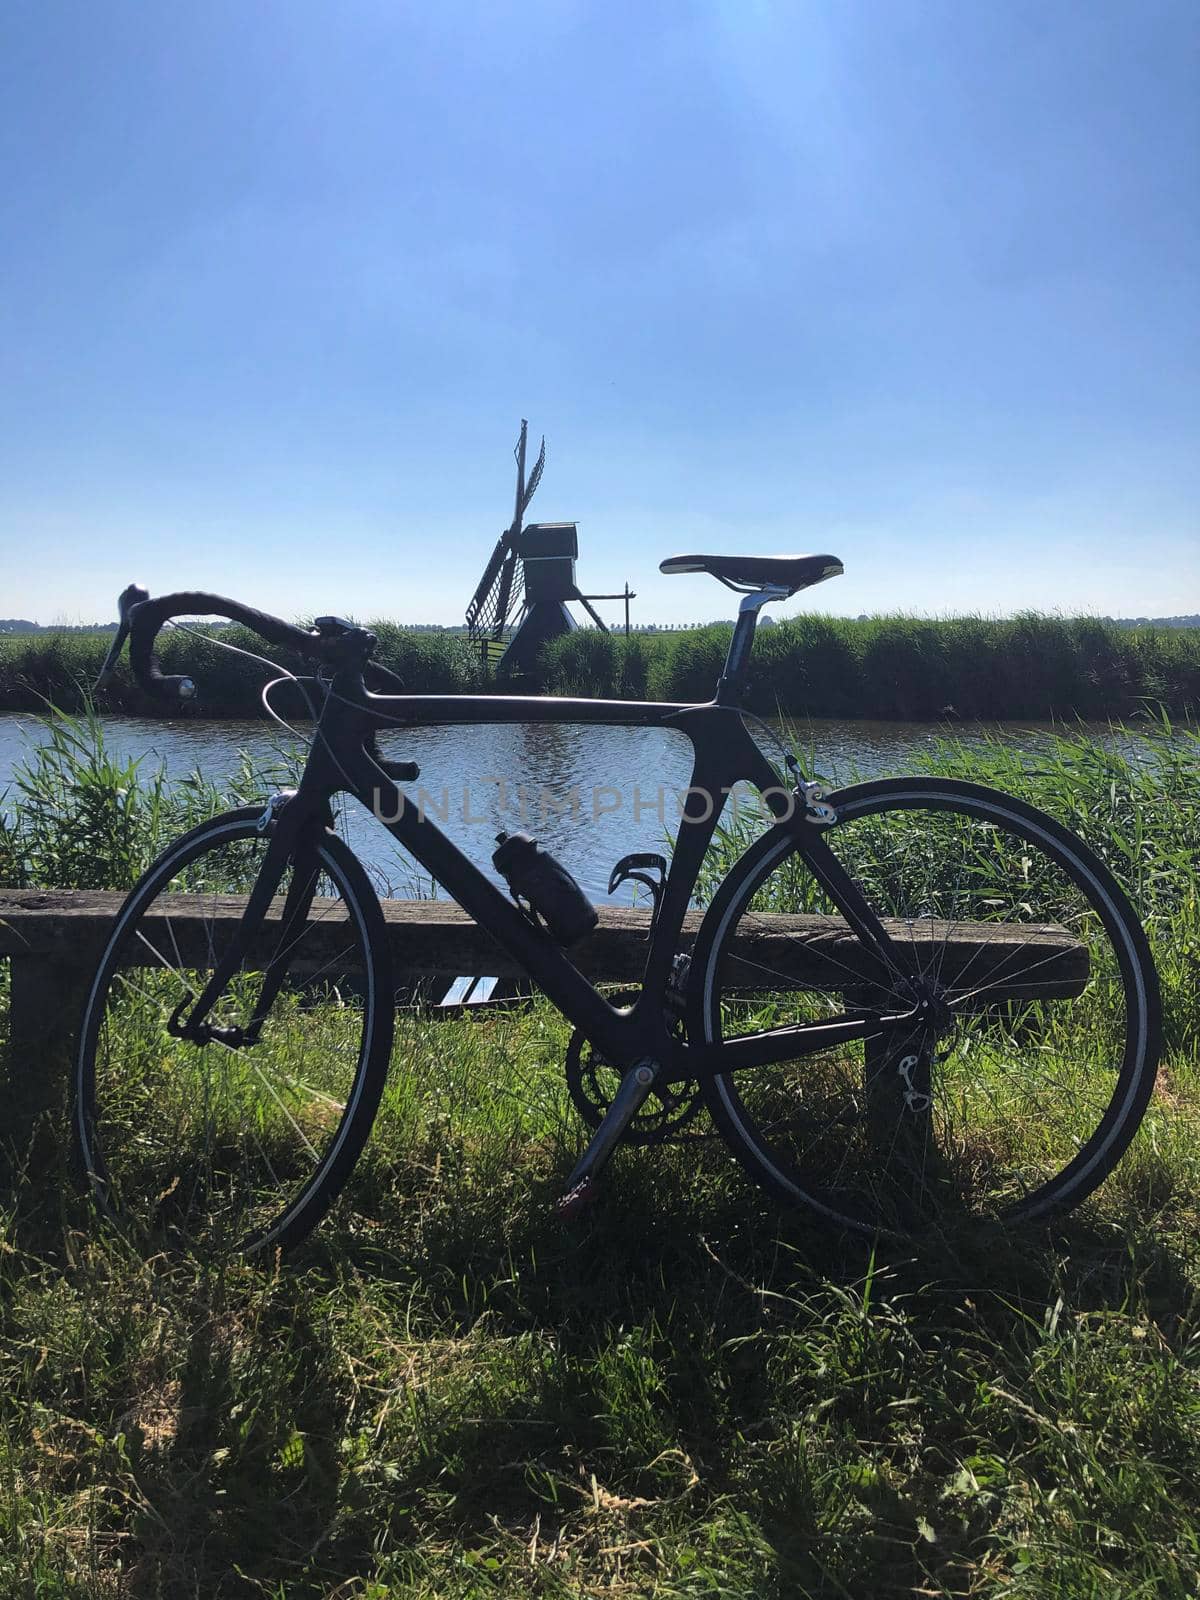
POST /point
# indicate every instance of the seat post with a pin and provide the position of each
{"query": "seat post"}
(733, 678)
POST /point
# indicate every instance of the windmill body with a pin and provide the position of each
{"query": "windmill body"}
(521, 601)
(547, 552)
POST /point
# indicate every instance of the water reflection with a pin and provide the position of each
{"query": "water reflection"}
(588, 793)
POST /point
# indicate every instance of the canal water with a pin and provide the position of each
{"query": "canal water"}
(589, 794)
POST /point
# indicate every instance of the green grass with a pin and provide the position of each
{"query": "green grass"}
(449, 1393)
(1029, 666)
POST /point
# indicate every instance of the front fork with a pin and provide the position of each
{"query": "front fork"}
(296, 844)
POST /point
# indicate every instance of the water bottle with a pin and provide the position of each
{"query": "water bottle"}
(533, 875)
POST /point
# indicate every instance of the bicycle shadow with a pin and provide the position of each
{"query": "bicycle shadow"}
(655, 1227)
(709, 1303)
(241, 1478)
(251, 1458)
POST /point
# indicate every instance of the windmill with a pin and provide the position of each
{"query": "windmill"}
(529, 578)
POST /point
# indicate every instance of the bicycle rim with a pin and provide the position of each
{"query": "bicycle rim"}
(1020, 1089)
(216, 1147)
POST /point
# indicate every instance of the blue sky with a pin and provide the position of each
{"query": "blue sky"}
(913, 281)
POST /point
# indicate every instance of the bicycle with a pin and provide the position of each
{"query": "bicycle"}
(911, 1000)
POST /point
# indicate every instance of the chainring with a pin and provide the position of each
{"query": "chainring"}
(593, 1082)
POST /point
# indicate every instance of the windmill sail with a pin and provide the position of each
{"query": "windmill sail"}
(535, 476)
(500, 592)
(497, 595)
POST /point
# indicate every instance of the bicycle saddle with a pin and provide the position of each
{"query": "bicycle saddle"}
(756, 572)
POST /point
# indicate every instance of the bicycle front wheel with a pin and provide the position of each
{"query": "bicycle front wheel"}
(1035, 1033)
(230, 1146)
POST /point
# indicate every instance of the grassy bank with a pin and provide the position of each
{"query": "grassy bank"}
(61, 667)
(885, 667)
(903, 667)
(449, 1394)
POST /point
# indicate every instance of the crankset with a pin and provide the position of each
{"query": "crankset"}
(593, 1082)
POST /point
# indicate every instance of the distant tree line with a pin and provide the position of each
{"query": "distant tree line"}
(1154, 622)
(22, 625)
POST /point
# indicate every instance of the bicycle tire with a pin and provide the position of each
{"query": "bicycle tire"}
(913, 820)
(341, 999)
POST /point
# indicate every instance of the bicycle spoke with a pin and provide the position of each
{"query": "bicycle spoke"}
(1017, 1004)
(217, 1140)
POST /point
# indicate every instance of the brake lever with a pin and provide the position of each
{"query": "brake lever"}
(128, 598)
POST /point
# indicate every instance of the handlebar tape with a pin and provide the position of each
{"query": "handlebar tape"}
(145, 617)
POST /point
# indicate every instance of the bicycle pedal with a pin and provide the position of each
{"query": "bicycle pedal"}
(577, 1199)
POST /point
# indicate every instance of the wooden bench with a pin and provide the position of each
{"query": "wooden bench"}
(53, 939)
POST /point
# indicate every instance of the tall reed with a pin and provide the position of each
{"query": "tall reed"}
(62, 667)
(76, 816)
(890, 667)
(908, 668)
(1140, 813)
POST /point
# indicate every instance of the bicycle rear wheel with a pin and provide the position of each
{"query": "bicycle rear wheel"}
(223, 1147)
(1031, 1064)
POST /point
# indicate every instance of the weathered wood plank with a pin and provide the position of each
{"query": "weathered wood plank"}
(996, 961)
(54, 938)
(434, 938)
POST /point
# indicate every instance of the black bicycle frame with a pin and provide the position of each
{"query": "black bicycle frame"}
(344, 759)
